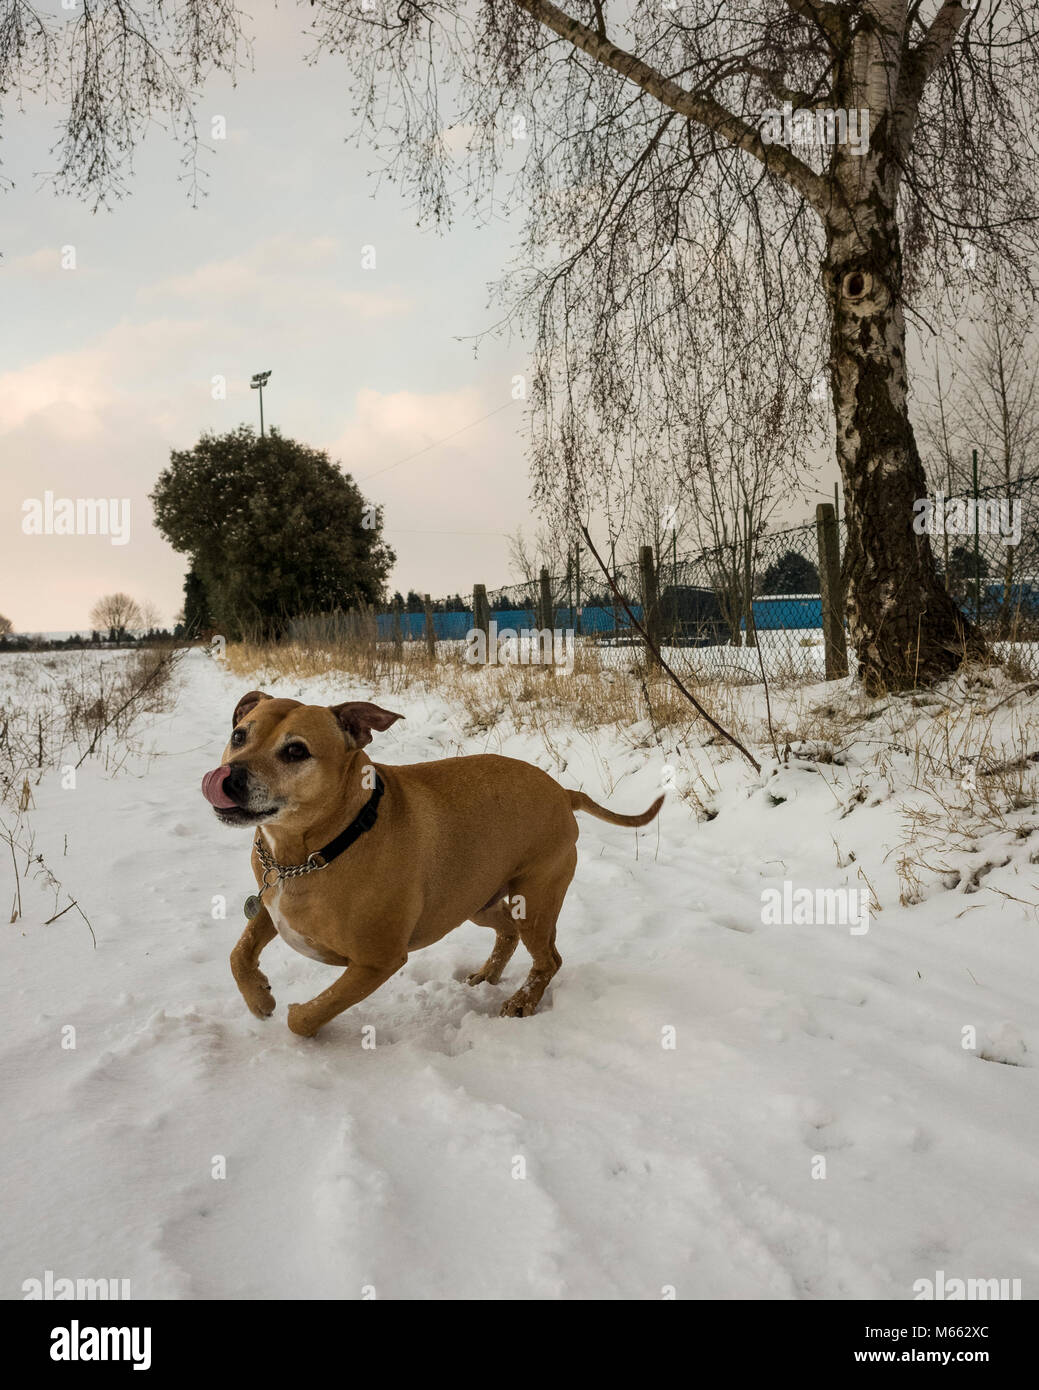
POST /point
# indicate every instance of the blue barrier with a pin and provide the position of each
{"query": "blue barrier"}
(1024, 596)
(452, 627)
(787, 611)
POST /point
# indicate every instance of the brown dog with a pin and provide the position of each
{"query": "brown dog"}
(484, 839)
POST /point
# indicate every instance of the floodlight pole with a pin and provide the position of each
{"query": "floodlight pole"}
(258, 382)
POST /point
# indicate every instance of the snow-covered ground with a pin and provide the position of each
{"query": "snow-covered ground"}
(575, 1154)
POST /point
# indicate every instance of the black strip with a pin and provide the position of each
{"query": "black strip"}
(365, 819)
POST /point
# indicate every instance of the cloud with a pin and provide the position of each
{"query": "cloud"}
(281, 269)
(44, 262)
(73, 393)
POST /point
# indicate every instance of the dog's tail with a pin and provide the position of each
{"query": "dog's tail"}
(580, 802)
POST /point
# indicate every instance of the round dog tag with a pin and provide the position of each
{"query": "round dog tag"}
(252, 906)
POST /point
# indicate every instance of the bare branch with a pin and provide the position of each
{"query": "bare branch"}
(936, 45)
(703, 109)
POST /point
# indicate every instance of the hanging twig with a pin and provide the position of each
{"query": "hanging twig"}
(655, 650)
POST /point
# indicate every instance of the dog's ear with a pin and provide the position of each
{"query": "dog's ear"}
(358, 718)
(247, 703)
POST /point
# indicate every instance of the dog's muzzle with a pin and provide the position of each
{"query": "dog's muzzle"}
(232, 793)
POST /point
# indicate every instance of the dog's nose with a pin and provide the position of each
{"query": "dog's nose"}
(236, 783)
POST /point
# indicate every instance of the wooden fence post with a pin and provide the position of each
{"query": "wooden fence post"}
(650, 603)
(831, 592)
(482, 614)
(431, 634)
(577, 587)
(396, 628)
(546, 617)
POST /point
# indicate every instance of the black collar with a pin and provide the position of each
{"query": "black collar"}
(321, 858)
(363, 821)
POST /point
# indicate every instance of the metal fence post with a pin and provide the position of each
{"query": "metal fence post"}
(830, 592)
(431, 635)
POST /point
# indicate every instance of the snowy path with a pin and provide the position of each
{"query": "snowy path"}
(393, 1167)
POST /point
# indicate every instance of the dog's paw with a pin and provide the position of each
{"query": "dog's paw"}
(521, 1005)
(479, 977)
(262, 1005)
(302, 1023)
(257, 994)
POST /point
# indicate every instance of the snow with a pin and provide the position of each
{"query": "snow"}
(565, 1156)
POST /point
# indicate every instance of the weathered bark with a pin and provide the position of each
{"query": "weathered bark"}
(905, 627)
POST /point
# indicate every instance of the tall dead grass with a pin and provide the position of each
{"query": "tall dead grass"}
(608, 686)
(64, 708)
(57, 711)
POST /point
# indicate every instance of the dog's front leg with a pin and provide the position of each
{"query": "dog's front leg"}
(353, 985)
(245, 964)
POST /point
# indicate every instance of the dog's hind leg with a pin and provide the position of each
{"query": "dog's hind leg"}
(541, 897)
(499, 919)
(245, 964)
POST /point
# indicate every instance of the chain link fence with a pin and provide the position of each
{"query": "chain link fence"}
(727, 613)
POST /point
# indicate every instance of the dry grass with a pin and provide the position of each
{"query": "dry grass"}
(961, 761)
(62, 710)
(56, 712)
(607, 687)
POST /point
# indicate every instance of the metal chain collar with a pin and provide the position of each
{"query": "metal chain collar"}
(271, 866)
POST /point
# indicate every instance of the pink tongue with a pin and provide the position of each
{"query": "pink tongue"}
(213, 787)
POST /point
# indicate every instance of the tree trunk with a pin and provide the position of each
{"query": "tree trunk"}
(905, 627)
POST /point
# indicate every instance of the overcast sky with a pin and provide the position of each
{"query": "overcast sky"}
(106, 367)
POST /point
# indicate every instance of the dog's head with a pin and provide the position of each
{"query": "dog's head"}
(286, 760)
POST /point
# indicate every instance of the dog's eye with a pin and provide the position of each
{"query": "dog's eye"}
(238, 738)
(295, 752)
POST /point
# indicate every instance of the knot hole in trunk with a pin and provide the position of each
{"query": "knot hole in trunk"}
(856, 285)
